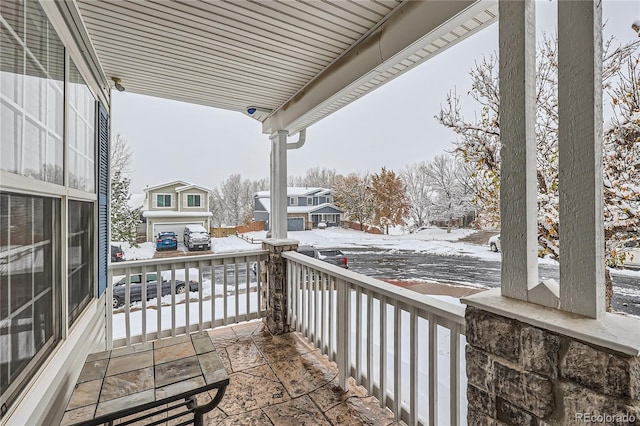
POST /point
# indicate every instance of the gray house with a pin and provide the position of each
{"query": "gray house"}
(306, 208)
(171, 206)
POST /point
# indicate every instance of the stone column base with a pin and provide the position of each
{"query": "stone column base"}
(277, 320)
(519, 374)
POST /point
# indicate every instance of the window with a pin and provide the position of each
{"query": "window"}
(163, 200)
(309, 201)
(293, 201)
(81, 257)
(31, 94)
(82, 136)
(193, 200)
(29, 287)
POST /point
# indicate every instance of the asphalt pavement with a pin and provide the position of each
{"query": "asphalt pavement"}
(469, 271)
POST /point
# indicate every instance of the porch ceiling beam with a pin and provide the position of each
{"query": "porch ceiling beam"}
(411, 28)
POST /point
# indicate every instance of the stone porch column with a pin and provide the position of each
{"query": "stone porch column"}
(277, 320)
(532, 365)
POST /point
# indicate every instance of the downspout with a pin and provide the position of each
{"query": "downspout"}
(302, 137)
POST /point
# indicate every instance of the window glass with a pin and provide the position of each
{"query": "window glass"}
(164, 200)
(82, 137)
(193, 200)
(81, 257)
(29, 286)
(31, 93)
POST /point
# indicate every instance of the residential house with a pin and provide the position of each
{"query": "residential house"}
(528, 343)
(306, 208)
(171, 206)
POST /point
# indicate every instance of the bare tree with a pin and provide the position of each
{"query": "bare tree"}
(450, 183)
(316, 177)
(353, 195)
(420, 192)
(120, 156)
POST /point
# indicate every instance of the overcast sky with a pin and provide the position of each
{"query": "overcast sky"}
(392, 126)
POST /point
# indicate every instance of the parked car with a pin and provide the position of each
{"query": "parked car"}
(494, 243)
(116, 253)
(196, 237)
(631, 252)
(332, 256)
(119, 288)
(167, 241)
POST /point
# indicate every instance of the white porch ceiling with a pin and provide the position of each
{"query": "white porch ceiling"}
(301, 59)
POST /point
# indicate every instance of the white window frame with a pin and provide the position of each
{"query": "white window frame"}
(186, 204)
(310, 201)
(293, 201)
(164, 194)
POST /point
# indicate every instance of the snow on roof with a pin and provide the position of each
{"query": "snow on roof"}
(297, 191)
(136, 201)
(156, 213)
(184, 188)
(175, 182)
(303, 209)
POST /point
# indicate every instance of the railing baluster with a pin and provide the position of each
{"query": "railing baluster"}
(143, 299)
(236, 280)
(127, 308)
(159, 310)
(413, 363)
(323, 316)
(187, 305)
(369, 294)
(212, 268)
(454, 373)
(224, 292)
(397, 361)
(332, 319)
(173, 300)
(247, 268)
(316, 300)
(344, 360)
(433, 370)
(383, 352)
(200, 295)
(304, 306)
(358, 336)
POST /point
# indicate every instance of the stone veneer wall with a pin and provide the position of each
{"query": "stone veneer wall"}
(276, 320)
(523, 375)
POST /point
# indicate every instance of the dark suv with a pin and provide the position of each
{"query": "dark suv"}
(332, 256)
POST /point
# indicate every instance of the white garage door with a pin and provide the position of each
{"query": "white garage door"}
(178, 228)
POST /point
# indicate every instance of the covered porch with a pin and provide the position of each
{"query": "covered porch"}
(342, 347)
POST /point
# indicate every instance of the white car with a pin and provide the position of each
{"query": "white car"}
(494, 243)
(631, 253)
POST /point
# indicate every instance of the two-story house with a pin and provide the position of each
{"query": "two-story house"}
(306, 208)
(171, 206)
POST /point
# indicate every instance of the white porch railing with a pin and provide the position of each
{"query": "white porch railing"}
(351, 317)
(197, 293)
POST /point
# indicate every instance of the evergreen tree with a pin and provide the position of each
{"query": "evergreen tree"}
(124, 220)
(353, 195)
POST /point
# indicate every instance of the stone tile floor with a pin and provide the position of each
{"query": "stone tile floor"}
(283, 380)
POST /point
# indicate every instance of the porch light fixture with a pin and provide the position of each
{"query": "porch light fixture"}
(118, 84)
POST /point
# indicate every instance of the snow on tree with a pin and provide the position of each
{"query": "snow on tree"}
(449, 179)
(232, 204)
(353, 195)
(124, 219)
(315, 178)
(479, 141)
(420, 192)
(391, 201)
